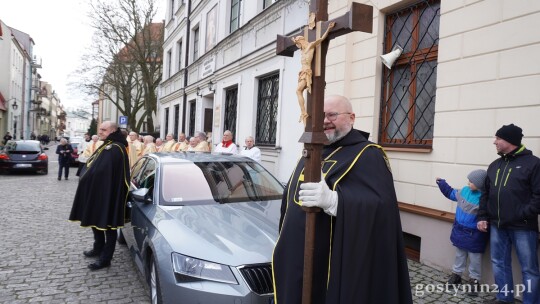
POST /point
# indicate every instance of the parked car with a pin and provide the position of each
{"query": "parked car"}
(24, 155)
(203, 227)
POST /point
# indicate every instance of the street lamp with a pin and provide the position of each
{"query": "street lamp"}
(14, 106)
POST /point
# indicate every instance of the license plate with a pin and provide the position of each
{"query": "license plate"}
(23, 165)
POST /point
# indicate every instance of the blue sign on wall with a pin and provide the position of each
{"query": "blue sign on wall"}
(122, 120)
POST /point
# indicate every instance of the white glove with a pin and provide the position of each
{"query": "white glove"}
(319, 195)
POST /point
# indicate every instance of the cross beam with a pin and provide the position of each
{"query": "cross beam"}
(358, 18)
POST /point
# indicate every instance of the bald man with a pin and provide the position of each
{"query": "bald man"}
(359, 254)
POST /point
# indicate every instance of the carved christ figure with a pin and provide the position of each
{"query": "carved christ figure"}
(307, 50)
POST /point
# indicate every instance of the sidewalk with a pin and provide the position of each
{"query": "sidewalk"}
(428, 286)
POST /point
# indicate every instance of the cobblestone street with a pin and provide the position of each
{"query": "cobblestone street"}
(41, 253)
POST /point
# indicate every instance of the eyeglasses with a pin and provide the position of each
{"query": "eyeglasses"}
(333, 115)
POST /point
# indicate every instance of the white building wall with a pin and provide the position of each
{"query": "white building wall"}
(15, 90)
(488, 75)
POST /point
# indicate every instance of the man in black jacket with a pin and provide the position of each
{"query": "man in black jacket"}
(100, 200)
(509, 206)
(64, 158)
(359, 253)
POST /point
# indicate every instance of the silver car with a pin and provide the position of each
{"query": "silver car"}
(203, 227)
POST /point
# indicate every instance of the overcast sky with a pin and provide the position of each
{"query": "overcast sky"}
(60, 30)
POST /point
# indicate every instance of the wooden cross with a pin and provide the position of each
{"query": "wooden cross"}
(358, 18)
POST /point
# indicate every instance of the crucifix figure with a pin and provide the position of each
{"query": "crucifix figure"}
(305, 74)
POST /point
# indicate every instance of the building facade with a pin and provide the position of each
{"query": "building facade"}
(221, 72)
(28, 106)
(466, 68)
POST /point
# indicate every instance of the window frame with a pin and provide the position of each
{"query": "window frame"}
(412, 61)
(179, 54)
(230, 124)
(261, 125)
(238, 4)
(196, 42)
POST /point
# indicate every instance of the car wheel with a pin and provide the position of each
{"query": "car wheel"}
(45, 171)
(153, 283)
(121, 239)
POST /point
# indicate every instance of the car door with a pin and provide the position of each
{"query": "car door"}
(128, 230)
(140, 222)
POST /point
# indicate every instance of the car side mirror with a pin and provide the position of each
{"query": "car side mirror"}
(141, 195)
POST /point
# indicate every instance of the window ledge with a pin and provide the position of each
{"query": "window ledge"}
(427, 212)
(413, 150)
(269, 148)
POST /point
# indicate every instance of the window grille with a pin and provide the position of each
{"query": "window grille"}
(176, 120)
(267, 103)
(231, 102)
(192, 113)
(235, 15)
(408, 98)
(166, 121)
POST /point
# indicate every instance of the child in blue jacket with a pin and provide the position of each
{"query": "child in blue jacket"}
(469, 241)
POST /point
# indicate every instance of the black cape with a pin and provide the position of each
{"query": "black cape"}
(359, 254)
(101, 196)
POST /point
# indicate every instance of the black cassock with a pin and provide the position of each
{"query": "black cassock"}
(359, 254)
(101, 196)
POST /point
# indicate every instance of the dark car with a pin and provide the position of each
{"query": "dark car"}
(203, 227)
(24, 155)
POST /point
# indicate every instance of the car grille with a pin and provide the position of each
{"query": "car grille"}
(258, 278)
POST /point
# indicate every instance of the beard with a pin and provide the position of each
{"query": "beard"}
(337, 135)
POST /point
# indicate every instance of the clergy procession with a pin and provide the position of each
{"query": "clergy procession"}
(198, 143)
(339, 205)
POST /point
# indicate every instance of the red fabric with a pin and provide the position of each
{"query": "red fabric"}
(2, 103)
(227, 143)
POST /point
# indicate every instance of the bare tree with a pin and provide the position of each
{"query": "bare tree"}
(124, 63)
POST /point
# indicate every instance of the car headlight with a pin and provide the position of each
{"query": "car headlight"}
(189, 268)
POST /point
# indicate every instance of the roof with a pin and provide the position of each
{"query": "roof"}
(180, 157)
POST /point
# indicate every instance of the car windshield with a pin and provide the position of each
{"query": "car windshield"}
(15, 146)
(217, 182)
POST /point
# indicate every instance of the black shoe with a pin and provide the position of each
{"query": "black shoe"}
(66, 178)
(97, 265)
(92, 253)
(474, 288)
(59, 178)
(454, 279)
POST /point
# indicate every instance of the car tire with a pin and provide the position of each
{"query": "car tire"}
(45, 171)
(153, 284)
(121, 239)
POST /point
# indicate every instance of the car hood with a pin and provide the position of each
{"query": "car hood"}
(234, 234)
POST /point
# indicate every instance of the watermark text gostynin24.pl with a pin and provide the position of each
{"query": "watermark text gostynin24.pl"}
(423, 289)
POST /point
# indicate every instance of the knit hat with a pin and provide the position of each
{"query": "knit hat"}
(511, 134)
(477, 177)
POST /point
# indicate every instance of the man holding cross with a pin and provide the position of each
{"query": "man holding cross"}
(359, 252)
